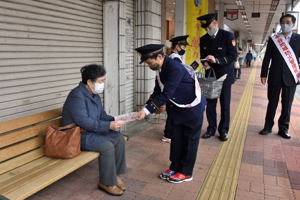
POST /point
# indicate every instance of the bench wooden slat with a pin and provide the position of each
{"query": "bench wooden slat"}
(22, 175)
(20, 148)
(21, 160)
(21, 171)
(26, 133)
(36, 181)
(29, 120)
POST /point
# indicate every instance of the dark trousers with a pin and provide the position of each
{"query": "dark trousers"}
(225, 110)
(184, 146)
(167, 131)
(248, 62)
(112, 155)
(287, 97)
(237, 73)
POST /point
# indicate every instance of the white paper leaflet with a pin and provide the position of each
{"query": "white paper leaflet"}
(128, 117)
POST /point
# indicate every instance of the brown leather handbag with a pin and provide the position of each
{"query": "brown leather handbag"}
(62, 142)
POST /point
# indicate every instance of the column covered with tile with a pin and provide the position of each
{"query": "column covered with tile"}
(147, 30)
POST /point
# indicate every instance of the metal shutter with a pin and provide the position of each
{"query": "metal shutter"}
(43, 44)
(129, 104)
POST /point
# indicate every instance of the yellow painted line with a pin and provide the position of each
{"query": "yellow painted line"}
(222, 178)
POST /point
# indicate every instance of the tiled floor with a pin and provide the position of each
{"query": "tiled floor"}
(270, 166)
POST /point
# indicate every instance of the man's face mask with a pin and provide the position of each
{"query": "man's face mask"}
(154, 66)
(213, 28)
(212, 31)
(286, 27)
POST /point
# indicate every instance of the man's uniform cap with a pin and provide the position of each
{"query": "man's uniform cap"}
(180, 40)
(205, 20)
(149, 51)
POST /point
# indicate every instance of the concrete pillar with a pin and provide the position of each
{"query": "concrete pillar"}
(163, 22)
(111, 50)
(147, 30)
(221, 15)
(180, 17)
(122, 56)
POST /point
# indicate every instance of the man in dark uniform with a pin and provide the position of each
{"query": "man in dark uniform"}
(280, 78)
(176, 88)
(218, 47)
(179, 44)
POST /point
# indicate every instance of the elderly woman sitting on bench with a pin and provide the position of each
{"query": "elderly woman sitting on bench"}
(84, 108)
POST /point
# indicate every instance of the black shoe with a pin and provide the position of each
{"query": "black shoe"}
(265, 131)
(284, 134)
(208, 134)
(223, 136)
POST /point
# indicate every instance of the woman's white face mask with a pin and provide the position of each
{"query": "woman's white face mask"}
(99, 88)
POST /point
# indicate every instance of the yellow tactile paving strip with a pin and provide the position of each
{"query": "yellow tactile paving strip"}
(221, 180)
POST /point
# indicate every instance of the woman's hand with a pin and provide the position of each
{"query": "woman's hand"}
(115, 125)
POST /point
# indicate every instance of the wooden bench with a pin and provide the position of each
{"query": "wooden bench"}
(24, 169)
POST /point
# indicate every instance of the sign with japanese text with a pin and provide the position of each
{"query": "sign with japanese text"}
(193, 29)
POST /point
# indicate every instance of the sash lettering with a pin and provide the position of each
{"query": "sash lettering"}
(288, 54)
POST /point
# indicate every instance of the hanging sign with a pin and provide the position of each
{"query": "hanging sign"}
(232, 14)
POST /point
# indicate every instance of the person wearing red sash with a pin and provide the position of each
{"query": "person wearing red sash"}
(283, 51)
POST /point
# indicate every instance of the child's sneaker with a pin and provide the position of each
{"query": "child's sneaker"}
(166, 174)
(179, 178)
